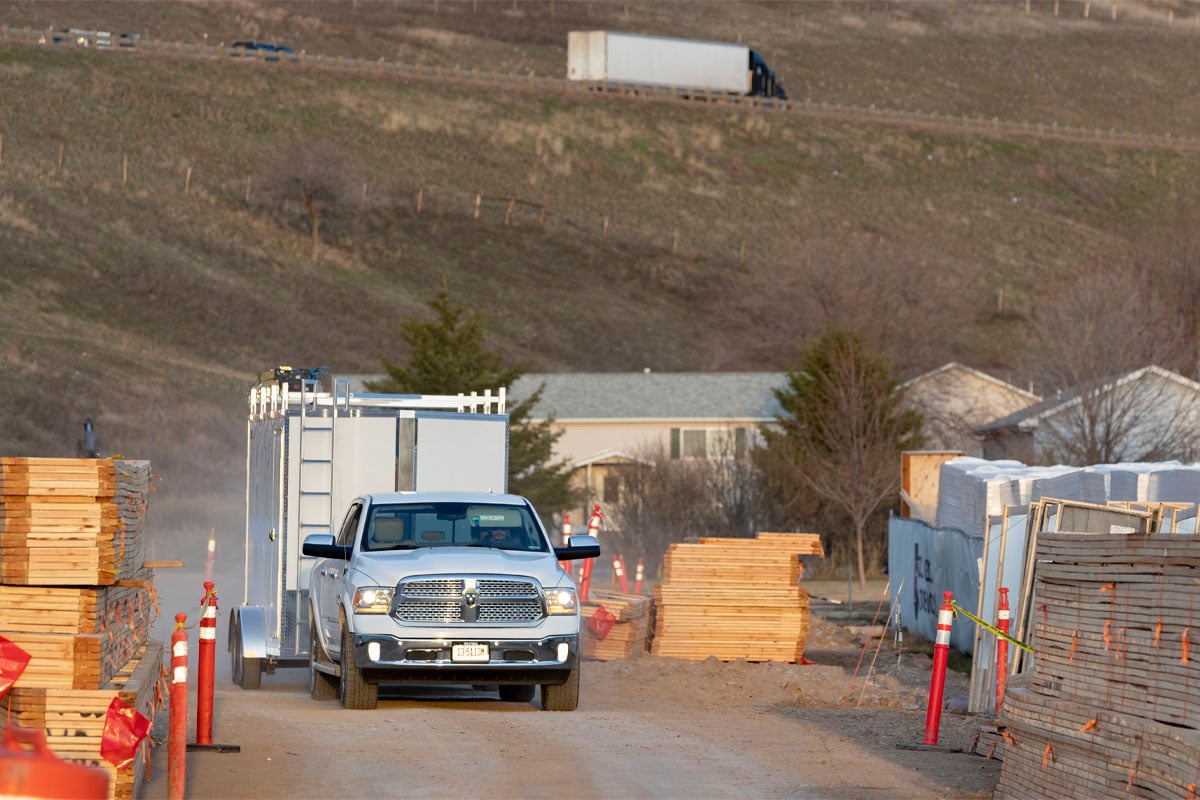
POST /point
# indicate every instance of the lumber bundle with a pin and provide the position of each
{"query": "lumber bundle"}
(72, 522)
(630, 631)
(734, 598)
(73, 719)
(1107, 711)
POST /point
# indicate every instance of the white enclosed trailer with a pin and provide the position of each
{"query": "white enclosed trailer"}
(311, 448)
(605, 57)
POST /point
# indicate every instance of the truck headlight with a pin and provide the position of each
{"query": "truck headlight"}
(373, 600)
(561, 601)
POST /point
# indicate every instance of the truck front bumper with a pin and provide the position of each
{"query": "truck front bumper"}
(387, 659)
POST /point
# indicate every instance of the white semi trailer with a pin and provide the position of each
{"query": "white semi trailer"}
(312, 446)
(685, 65)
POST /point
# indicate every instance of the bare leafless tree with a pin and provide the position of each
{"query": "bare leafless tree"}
(312, 174)
(1095, 341)
(665, 500)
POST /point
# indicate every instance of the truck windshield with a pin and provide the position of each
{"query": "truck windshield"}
(419, 525)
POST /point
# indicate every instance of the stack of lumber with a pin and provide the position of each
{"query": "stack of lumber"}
(73, 719)
(75, 595)
(1108, 711)
(734, 598)
(630, 630)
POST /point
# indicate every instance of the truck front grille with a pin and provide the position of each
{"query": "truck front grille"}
(468, 600)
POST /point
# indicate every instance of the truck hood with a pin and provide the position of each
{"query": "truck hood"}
(385, 569)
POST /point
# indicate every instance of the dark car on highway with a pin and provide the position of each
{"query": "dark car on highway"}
(270, 50)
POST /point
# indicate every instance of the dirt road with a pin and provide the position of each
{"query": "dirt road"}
(649, 727)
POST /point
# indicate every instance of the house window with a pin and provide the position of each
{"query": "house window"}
(708, 442)
(611, 493)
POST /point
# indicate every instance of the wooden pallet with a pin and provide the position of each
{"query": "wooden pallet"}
(734, 599)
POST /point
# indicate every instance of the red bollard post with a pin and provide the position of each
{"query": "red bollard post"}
(585, 578)
(1002, 622)
(937, 681)
(619, 569)
(177, 723)
(641, 573)
(566, 529)
(206, 665)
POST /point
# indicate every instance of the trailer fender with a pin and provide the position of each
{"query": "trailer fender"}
(250, 622)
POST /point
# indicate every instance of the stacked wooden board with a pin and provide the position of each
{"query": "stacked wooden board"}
(630, 631)
(734, 598)
(1110, 709)
(76, 596)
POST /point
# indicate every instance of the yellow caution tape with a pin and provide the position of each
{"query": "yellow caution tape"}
(988, 627)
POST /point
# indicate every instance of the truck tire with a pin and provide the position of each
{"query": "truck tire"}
(562, 697)
(356, 693)
(514, 693)
(247, 672)
(320, 685)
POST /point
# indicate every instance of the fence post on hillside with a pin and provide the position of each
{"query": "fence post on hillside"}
(606, 227)
(478, 203)
(420, 199)
(512, 204)
(1087, 10)
(187, 182)
(1056, 8)
(125, 170)
(62, 156)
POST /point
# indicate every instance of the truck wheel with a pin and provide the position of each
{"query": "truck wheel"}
(320, 685)
(356, 693)
(516, 693)
(563, 697)
(247, 672)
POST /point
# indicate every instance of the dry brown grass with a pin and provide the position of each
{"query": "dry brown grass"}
(150, 310)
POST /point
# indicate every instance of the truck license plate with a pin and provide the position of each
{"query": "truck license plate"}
(470, 651)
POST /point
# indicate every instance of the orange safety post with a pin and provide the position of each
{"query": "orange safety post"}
(641, 573)
(177, 727)
(937, 681)
(206, 666)
(566, 529)
(619, 570)
(593, 529)
(1002, 623)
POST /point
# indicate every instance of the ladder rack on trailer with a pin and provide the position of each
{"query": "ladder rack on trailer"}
(312, 445)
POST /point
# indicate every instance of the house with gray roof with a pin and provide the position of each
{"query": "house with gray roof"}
(1148, 414)
(956, 400)
(608, 419)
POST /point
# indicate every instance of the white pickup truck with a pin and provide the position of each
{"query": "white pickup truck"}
(444, 587)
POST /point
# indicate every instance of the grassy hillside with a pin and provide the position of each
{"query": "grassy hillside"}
(733, 233)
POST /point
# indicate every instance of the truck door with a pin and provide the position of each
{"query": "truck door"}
(327, 581)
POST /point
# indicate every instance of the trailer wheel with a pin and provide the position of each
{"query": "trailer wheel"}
(247, 672)
(511, 693)
(320, 685)
(563, 697)
(356, 693)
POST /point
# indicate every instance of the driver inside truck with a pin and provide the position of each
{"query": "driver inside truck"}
(495, 536)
